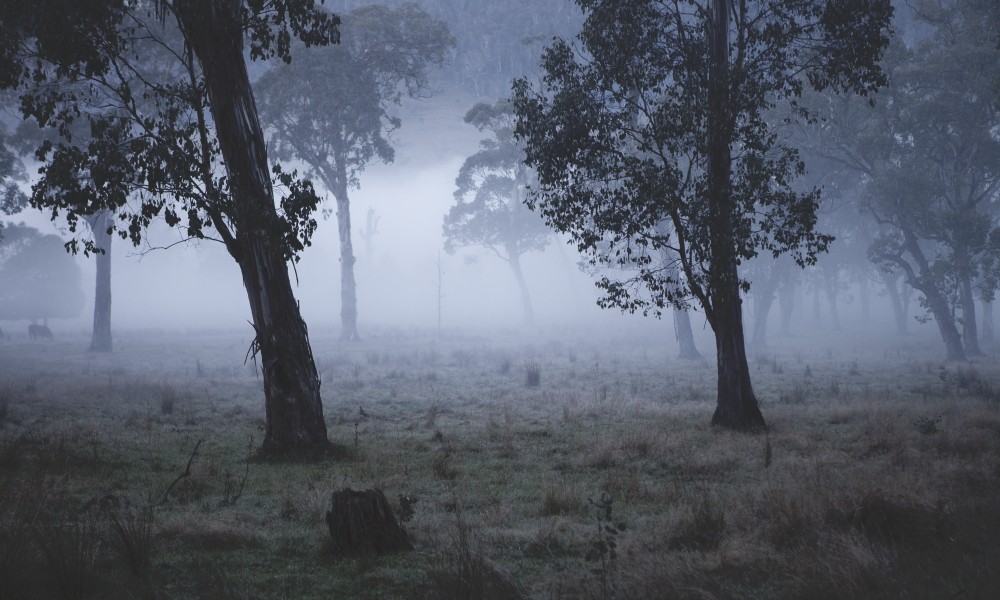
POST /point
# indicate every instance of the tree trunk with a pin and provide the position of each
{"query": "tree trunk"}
(817, 309)
(736, 404)
(763, 300)
(514, 259)
(970, 330)
(987, 321)
(866, 315)
(899, 308)
(830, 283)
(348, 287)
(363, 524)
(684, 335)
(100, 340)
(786, 298)
(293, 407)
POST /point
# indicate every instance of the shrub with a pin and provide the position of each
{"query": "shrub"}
(534, 374)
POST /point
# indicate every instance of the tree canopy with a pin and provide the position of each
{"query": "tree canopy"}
(658, 113)
(38, 279)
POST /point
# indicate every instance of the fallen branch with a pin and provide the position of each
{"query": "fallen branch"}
(186, 473)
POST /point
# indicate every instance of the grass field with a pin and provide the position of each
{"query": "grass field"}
(880, 477)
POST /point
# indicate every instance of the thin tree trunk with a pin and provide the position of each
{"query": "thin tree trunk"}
(685, 335)
(737, 406)
(817, 310)
(763, 299)
(348, 286)
(515, 265)
(786, 298)
(899, 308)
(293, 407)
(970, 330)
(100, 340)
(987, 322)
(830, 281)
(866, 315)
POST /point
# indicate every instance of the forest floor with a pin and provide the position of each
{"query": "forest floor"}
(879, 478)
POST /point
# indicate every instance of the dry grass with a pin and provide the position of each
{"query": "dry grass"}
(879, 478)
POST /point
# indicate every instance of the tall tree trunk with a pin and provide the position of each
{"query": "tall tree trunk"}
(866, 315)
(926, 284)
(763, 300)
(514, 259)
(970, 330)
(899, 308)
(817, 308)
(100, 340)
(831, 279)
(987, 322)
(293, 407)
(348, 287)
(786, 298)
(736, 406)
(685, 335)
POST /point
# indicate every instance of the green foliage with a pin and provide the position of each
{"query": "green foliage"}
(38, 280)
(619, 131)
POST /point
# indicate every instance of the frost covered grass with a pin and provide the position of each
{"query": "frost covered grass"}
(879, 478)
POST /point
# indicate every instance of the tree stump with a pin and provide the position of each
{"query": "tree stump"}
(362, 523)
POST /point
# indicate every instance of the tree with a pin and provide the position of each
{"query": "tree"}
(12, 199)
(700, 77)
(175, 134)
(931, 162)
(330, 108)
(489, 206)
(101, 226)
(38, 279)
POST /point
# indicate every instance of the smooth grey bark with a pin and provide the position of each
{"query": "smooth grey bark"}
(514, 260)
(348, 285)
(970, 330)
(685, 335)
(100, 340)
(294, 421)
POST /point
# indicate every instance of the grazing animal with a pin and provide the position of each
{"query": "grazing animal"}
(39, 332)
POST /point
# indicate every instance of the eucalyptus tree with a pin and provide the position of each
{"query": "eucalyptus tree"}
(163, 88)
(12, 198)
(700, 74)
(935, 193)
(331, 108)
(489, 209)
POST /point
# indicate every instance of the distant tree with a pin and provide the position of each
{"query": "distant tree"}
(12, 199)
(490, 192)
(330, 108)
(659, 114)
(929, 162)
(174, 134)
(38, 279)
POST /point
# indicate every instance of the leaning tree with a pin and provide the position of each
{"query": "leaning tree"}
(330, 108)
(658, 114)
(174, 134)
(489, 209)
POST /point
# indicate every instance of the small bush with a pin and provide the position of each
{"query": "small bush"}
(134, 528)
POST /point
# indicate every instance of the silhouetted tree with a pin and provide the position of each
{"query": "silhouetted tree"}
(330, 108)
(489, 209)
(163, 87)
(700, 75)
